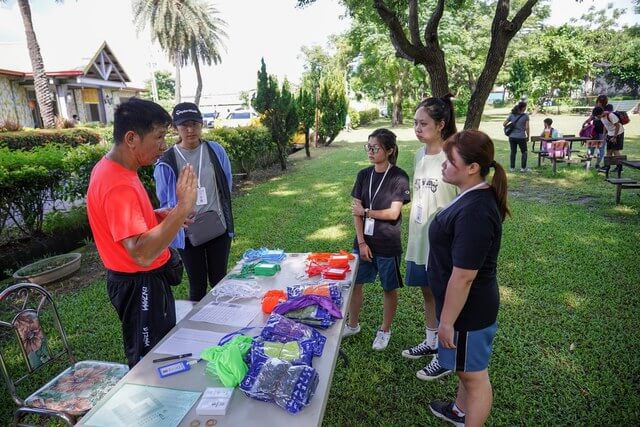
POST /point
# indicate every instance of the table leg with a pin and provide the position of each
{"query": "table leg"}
(344, 357)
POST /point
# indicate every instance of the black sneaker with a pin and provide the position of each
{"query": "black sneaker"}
(416, 352)
(432, 371)
(444, 410)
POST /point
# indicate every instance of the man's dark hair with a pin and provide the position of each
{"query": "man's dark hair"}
(138, 115)
(548, 121)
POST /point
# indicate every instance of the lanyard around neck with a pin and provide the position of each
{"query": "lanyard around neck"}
(379, 185)
(185, 160)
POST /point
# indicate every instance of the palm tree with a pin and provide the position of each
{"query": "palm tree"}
(40, 81)
(187, 30)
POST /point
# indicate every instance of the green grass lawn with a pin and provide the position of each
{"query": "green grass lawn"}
(567, 345)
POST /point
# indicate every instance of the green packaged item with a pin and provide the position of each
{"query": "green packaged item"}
(227, 361)
(266, 269)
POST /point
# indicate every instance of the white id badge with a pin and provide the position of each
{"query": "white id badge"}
(201, 198)
(369, 223)
(419, 214)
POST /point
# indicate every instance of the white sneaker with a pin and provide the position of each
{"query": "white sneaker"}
(382, 340)
(348, 330)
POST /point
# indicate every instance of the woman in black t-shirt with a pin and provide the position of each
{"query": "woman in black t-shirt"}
(379, 193)
(465, 242)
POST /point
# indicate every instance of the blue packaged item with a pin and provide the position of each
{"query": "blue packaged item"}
(294, 352)
(264, 254)
(282, 329)
(289, 386)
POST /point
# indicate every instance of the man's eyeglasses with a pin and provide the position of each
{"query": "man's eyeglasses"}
(372, 148)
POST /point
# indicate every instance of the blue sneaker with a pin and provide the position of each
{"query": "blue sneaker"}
(444, 410)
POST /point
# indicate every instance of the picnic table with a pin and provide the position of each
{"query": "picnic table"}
(542, 151)
(242, 410)
(624, 183)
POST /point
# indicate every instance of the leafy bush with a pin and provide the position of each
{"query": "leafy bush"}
(10, 126)
(106, 134)
(28, 179)
(499, 103)
(28, 139)
(60, 221)
(333, 106)
(354, 117)
(62, 123)
(78, 164)
(369, 115)
(248, 147)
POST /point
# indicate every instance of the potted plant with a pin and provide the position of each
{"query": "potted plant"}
(49, 269)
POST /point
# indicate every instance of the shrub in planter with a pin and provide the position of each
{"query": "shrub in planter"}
(28, 139)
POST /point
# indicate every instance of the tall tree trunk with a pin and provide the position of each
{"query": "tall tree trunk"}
(283, 157)
(196, 64)
(396, 115)
(178, 80)
(306, 142)
(502, 31)
(40, 81)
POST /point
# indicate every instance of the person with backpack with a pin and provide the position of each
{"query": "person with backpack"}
(614, 130)
(593, 128)
(516, 127)
(205, 244)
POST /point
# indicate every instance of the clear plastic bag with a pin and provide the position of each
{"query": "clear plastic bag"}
(289, 386)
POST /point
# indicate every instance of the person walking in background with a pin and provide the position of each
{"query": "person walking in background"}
(132, 239)
(519, 136)
(465, 242)
(378, 194)
(205, 244)
(434, 121)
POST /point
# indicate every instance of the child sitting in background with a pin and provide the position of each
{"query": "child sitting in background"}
(549, 132)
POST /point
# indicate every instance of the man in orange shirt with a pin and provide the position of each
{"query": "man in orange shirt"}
(132, 238)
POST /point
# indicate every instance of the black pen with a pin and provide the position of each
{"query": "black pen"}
(179, 356)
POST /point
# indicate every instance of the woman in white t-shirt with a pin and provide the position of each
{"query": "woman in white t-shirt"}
(433, 123)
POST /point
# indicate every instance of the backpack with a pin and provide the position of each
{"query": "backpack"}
(510, 127)
(589, 131)
(622, 116)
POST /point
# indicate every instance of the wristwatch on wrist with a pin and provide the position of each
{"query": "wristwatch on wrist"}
(366, 212)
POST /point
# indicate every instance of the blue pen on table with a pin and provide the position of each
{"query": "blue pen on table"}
(179, 356)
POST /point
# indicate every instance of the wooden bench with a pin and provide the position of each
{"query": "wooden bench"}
(612, 161)
(622, 184)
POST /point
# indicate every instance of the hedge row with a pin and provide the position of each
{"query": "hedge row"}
(28, 139)
(31, 179)
(249, 147)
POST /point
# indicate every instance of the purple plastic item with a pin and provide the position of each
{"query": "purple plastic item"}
(307, 300)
